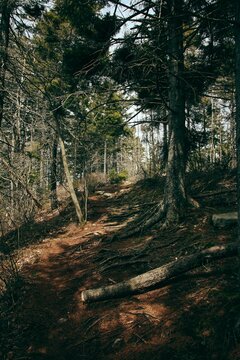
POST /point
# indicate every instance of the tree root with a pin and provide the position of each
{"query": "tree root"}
(145, 223)
(122, 263)
(110, 258)
(160, 214)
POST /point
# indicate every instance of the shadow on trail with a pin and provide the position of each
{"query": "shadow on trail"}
(34, 232)
(187, 319)
(52, 322)
(181, 321)
(192, 317)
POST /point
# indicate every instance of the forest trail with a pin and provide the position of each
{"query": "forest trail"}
(49, 305)
(93, 93)
(49, 321)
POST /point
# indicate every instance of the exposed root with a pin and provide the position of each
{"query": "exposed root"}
(122, 263)
(193, 202)
(114, 259)
(145, 223)
(163, 215)
(120, 255)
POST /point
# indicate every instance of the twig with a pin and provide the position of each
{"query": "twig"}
(140, 337)
(94, 323)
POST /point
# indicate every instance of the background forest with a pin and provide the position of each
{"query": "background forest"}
(97, 90)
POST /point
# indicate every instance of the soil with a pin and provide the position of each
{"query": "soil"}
(193, 317)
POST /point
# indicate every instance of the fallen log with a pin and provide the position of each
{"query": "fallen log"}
(160, 275)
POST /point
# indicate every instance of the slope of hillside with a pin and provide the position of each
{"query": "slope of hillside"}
(195, 316)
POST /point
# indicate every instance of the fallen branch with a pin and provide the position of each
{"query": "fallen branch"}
(160, 275)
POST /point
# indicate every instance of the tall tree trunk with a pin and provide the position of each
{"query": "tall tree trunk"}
(68, 175)
(212, 148)
(105, 160)
(4, 43)
(153, 150)
(164, 153)
(237, 80)
(53, 175)
(175, 193)
(233, 131)
(41, 171)
(70, 183)
(220, 142)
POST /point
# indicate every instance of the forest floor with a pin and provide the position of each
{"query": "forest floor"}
(194, 317)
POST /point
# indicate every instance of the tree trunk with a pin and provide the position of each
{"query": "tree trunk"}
(105, 160)
(164, 154)
(237, 84)
(232, 139)
(4, 42)
(53, 181)
(68, 175)
(41, 172)
(175, 193)
(212, 149)
(160, 275)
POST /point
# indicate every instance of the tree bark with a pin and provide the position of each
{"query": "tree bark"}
(175, 198)
(53, 181)
(4, 43)
(68, 175)
(212, 148)
(164, 154)
(105, 160)
(70, 183)
(237, 84)
(159, 276)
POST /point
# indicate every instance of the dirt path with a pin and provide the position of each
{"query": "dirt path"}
(50, 303)
(44, 314)
(182, 321)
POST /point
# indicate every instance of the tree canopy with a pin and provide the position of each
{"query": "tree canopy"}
(87, 71)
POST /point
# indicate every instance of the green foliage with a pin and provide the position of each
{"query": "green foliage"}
(81, 13)
(33, 177)
(117, 177)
